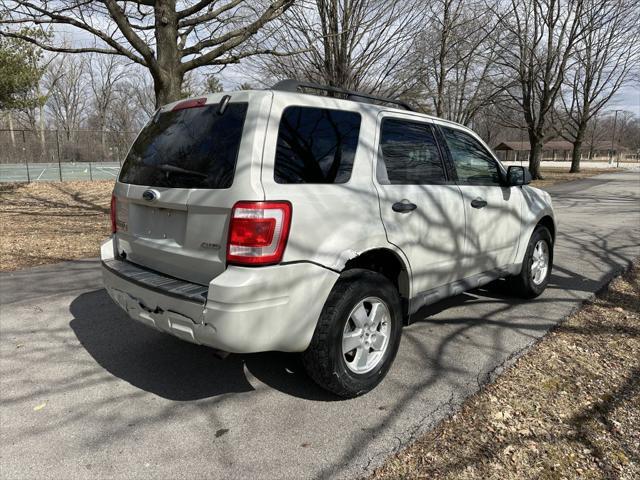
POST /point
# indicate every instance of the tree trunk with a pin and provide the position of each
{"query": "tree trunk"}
(577, 150)
(535, 155)
(168, 75)
(168, 87)
(43, 142)
(13, 137)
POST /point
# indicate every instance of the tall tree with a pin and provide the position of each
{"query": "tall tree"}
(603, 61)
(353, 44)
(168, 37)
(105, 72)
(540, 39)
(455, 58)
(19, 76)
(68, 84)
(19, 73)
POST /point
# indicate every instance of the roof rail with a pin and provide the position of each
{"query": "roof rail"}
(292, 85)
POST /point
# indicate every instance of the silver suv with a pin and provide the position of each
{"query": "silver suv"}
(314, 223)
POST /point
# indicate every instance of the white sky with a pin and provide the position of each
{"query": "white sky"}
(628, 98)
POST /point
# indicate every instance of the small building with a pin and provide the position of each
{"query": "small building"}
(558, 150)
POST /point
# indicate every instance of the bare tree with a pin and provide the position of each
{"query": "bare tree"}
(68, 87)
(539, 41)
(354, 44)
(603, 61)
(213, 84)
(455, 58)
(168, 40)
(131, 106)
(142, 95)
(106, 72)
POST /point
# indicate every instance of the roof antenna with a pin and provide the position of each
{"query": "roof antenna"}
(222, 106)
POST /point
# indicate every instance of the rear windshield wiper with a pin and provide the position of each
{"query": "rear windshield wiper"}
(172, 168)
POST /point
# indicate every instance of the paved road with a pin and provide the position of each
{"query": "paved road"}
(86, 392)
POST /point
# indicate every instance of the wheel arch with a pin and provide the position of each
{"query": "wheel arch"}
(388, 263)
(548, 222)
(543, 218)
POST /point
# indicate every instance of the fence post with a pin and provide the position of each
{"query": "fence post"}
(90, 174)
(26, 160)
(58, 148)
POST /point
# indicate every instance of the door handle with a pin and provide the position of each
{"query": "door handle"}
(478, 203)
(404, 207)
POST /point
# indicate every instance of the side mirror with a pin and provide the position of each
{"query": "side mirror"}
(517, 175)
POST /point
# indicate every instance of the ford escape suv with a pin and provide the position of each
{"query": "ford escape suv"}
(299, 222)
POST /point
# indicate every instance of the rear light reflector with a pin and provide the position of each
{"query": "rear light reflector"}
(114, 226)
(119, 214)
(258, 232)
(253, 232)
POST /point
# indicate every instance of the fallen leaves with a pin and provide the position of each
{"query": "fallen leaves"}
(561, 175)
(50, 222)
(570, 408)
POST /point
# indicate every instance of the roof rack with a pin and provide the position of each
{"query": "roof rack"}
(292, 85)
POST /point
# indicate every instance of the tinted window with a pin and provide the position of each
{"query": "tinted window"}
(409, 154)
(189, 148)
(316, 145)
(474, 165)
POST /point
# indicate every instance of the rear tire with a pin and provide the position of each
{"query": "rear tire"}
(536, 265)
(357, 335)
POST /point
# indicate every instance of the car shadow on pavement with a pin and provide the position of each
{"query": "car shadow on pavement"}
(174, 369)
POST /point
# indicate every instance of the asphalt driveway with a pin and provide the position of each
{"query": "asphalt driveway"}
(85, 392)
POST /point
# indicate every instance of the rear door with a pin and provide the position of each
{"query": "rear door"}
(492, 210)
(421, 208)
(184, 173)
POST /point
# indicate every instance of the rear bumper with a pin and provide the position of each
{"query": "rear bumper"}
(245, 309)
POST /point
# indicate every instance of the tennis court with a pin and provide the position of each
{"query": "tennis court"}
(47, 172)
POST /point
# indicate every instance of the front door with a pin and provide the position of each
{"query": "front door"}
(422, 210)
(492, 210)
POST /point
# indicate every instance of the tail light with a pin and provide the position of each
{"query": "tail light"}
(114, 226)
(258, 232)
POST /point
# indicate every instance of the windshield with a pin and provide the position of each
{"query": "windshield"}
(188, 148)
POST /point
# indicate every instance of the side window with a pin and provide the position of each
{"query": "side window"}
(474, 165)
(408, 154)
(316, 145)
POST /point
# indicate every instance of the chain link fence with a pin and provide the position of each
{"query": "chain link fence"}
(37, 155)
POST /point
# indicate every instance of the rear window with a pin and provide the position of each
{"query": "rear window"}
(188, 148)
(316, 145)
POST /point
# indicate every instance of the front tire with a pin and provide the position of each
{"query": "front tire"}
(536, 265)
(357, 335)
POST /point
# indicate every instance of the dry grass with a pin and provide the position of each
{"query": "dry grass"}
(552, 176)
(568, 409)
(51, 222)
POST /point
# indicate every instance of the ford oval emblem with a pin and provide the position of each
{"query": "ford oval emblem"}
(149, 195)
